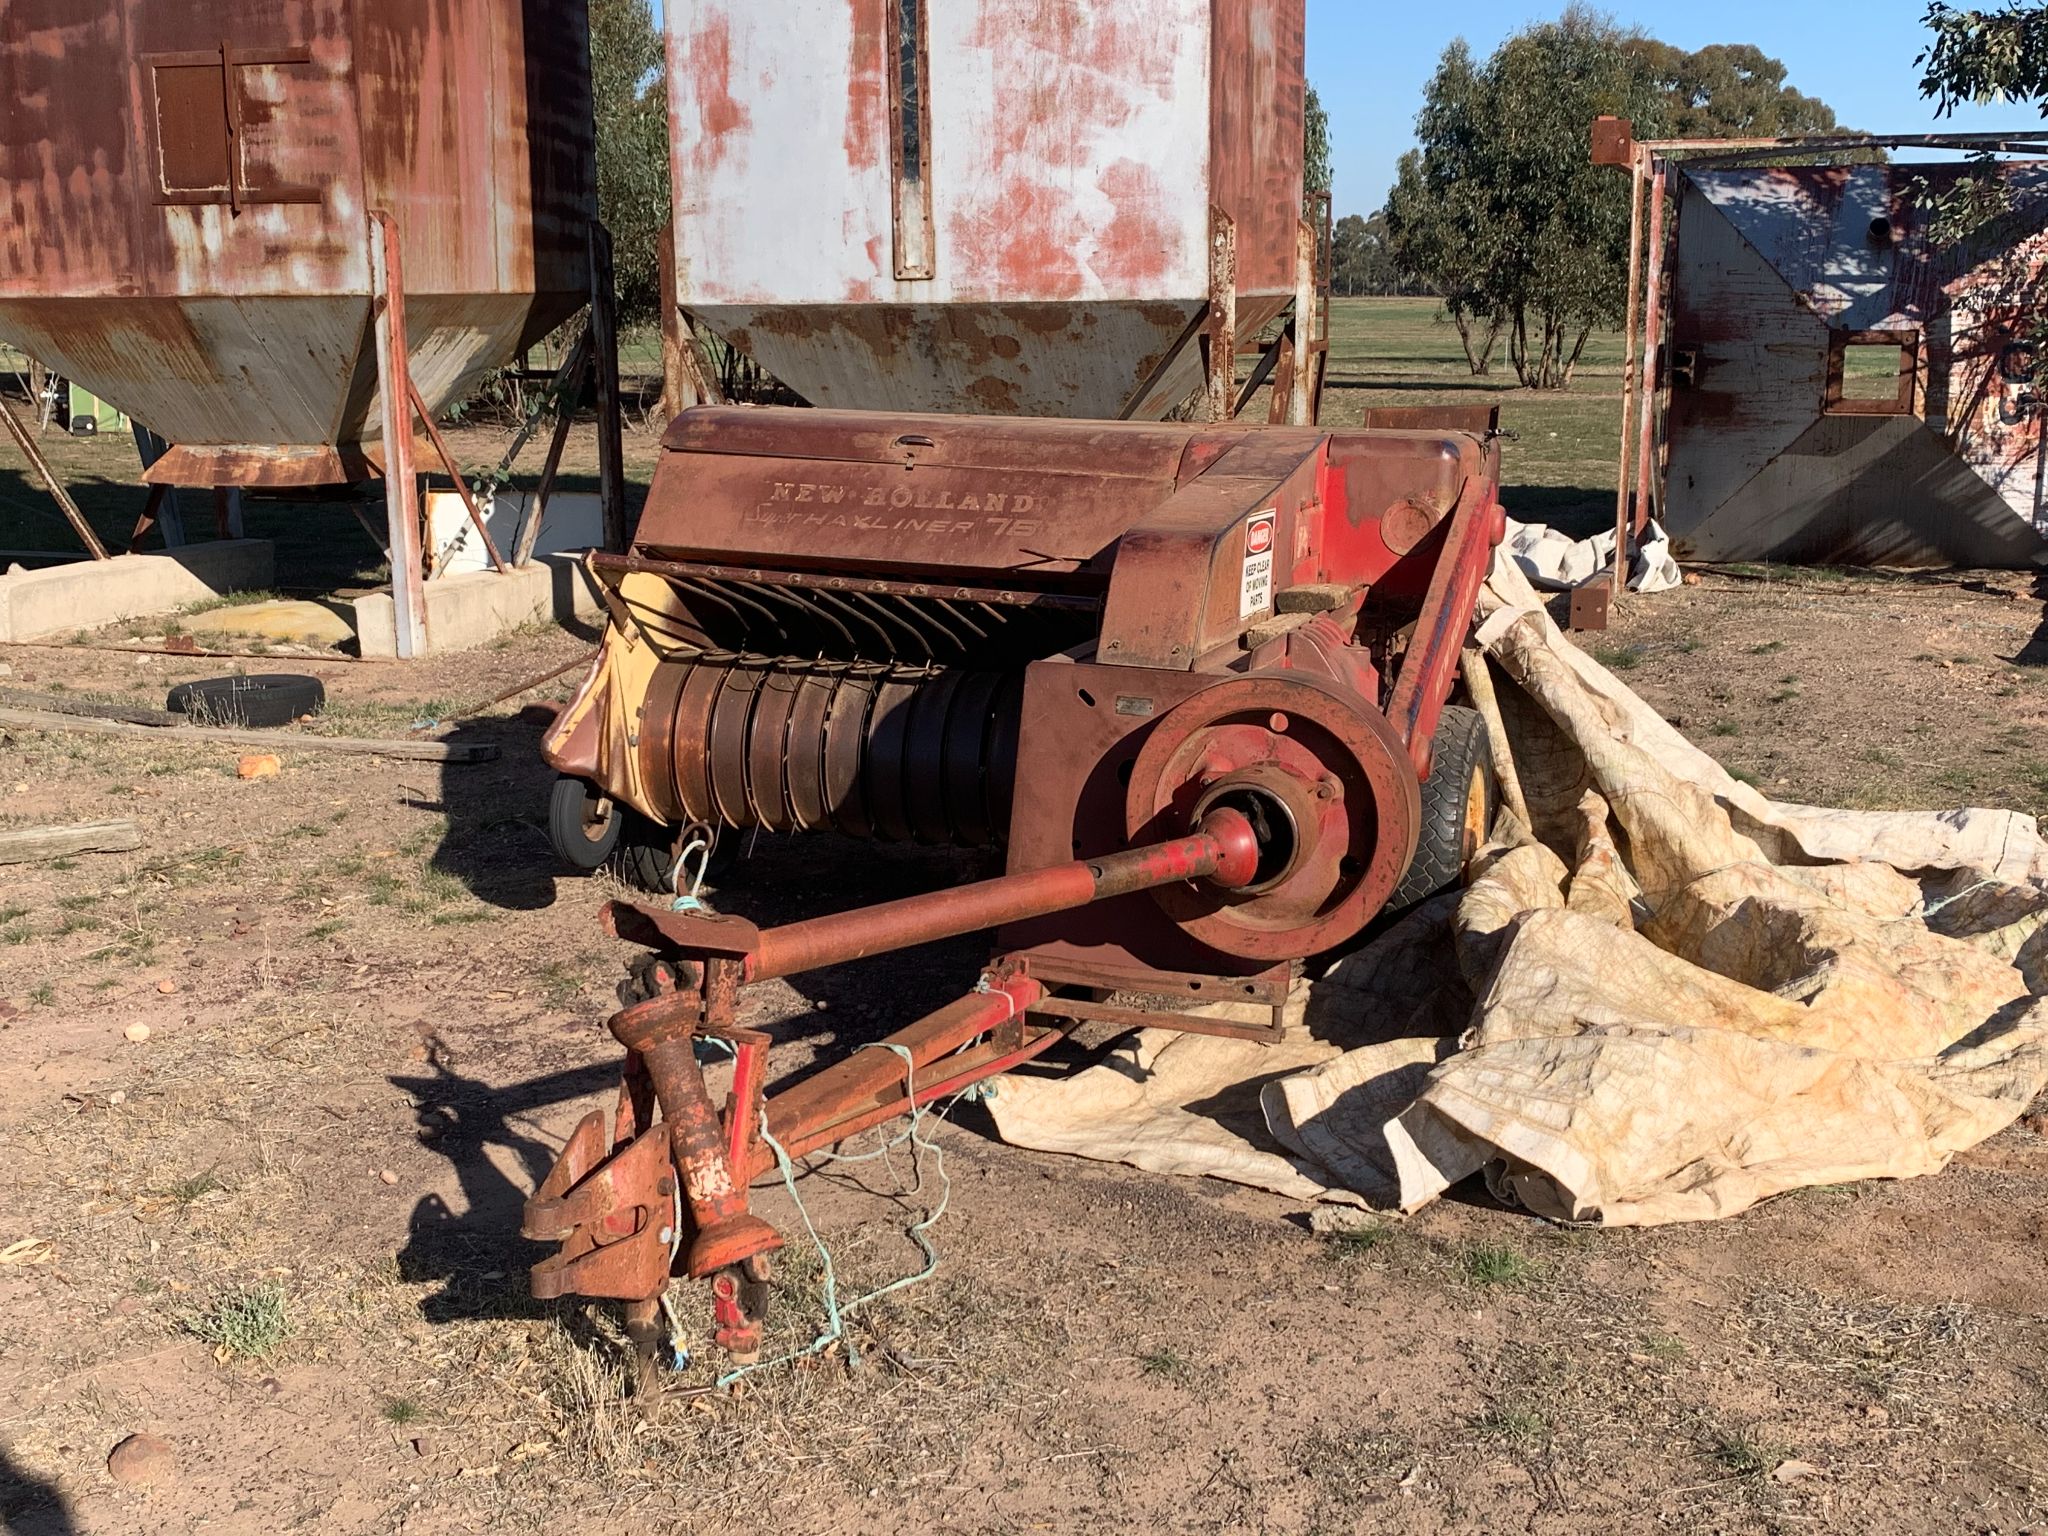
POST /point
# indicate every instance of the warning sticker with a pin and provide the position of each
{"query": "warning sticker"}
(1255, 595)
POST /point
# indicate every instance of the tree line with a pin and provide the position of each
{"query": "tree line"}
(1500, 213)
(1499, 210)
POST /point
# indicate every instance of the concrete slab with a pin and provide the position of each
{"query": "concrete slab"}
(473, 609)
(295, 621)
(63, 599)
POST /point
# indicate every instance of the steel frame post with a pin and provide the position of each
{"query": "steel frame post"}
(1653, 327)
(1326, 276)
(680, 387)
(1628, 375)
(568, 389)
(401, 485)
(604, 347)
(1221, 337)
(48, 476)
(1301, 397)
(447, 458)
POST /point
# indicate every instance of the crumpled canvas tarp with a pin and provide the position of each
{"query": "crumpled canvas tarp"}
(1662, 998)
(1555, 561)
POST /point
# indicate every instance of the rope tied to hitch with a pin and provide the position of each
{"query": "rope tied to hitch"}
(692, 900)
(836, 1311)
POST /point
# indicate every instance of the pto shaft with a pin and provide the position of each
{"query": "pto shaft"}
(1224, 851)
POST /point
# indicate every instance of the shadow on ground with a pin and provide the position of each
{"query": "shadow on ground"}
(476, 1254)
(2035, 652)
(29, 1506)
(496, 842)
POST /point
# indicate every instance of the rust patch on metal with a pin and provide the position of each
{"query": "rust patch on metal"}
(185, 192)
(867, 93)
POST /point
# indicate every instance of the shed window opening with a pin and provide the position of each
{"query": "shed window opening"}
(1870, 371)
(1873, 374)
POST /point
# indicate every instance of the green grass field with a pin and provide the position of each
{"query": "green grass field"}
(1559, 467)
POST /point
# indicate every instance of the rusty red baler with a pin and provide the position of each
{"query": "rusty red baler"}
(1188, 680)
(1191, 678)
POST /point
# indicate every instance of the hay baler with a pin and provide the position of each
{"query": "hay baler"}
(1192, 681)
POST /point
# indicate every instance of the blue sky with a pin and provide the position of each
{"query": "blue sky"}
(1370, 59)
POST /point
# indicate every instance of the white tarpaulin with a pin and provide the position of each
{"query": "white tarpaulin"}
(1555, 561)
(1664, 999)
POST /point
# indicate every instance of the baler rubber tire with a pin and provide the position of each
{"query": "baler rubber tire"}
(569, 825)
(262, 701)
(1447, 839)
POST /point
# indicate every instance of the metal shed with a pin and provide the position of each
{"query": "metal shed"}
(187, 201)
(1842, 389)
(1010, 206)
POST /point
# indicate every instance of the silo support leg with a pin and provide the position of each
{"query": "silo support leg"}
(62, 497)
(604, 343)
(1272, 362)
(566, 389)
(1289, 369)
(447, 457)
(401, 485)
(1300, 392)
(1221, 341)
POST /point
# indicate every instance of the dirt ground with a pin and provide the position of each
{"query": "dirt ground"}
(280, 1232)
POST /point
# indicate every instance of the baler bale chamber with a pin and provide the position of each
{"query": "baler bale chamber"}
(1191, 679)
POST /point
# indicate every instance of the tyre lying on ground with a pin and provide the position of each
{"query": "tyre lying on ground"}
(262, 700)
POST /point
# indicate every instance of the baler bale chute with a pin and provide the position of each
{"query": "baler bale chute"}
(1191, 679)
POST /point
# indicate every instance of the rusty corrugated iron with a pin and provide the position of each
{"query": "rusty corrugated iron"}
(185, 191)
(1780, 275)
(1048, 168)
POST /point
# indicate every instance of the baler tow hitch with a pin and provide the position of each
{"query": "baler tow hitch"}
(669, 1195)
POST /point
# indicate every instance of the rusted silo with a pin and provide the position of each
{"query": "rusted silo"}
(186, 199)
(1012, 206)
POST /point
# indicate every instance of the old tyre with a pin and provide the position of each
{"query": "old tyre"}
(583, 825)
(1458, 802)
(262, 701)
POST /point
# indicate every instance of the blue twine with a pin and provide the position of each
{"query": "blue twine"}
(836, 1313)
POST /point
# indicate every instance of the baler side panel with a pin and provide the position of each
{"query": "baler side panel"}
(1084, 726)
(1185, 581)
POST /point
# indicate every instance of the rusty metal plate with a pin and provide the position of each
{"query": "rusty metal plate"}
(1025, 234)
(1589, 603)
